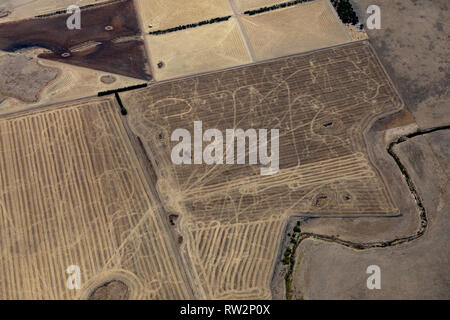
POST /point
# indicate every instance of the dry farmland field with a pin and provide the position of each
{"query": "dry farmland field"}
(231, 216)
(73, 193)
(164, 14)
(244, 5)
(206, 48)
(300, 28)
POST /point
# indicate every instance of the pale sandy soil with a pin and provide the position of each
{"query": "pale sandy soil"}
(356, 33)
(197, 50)
(244, 5)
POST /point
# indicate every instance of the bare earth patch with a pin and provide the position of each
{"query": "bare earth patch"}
(113, 290)
(24, 78)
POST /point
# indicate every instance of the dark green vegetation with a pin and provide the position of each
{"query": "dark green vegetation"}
(345, 11)
(343, 8)
(123, 111)
(294, 240)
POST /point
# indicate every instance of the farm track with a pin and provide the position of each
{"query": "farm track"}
(380, 244)
(150, 175)
(241, 28)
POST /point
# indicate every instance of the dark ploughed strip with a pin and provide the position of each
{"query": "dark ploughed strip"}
(113, 27)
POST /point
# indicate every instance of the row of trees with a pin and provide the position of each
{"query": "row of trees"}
(345, 11)
(123, 111)
(190, 26)
(274, 7)
(293, 239)
(133, 87)
(343, 7)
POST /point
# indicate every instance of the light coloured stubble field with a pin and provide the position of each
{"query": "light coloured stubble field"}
(72, 193)
(300, 28)
(206, 48)
(163, 14)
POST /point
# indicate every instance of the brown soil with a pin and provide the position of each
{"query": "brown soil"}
(3, 13)
(113, 290)
(108, 79)
(125, 58)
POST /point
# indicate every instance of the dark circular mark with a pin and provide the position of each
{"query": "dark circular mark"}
(4, 13)
(347, 197)
(321, 200)
(108, 79)
(160, 136)
(160, 64)
(329, 126)
(111, 290)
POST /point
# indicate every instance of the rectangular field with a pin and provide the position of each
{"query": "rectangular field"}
(300, 28)
(73, 193)
(206, 48)
(164, 14)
